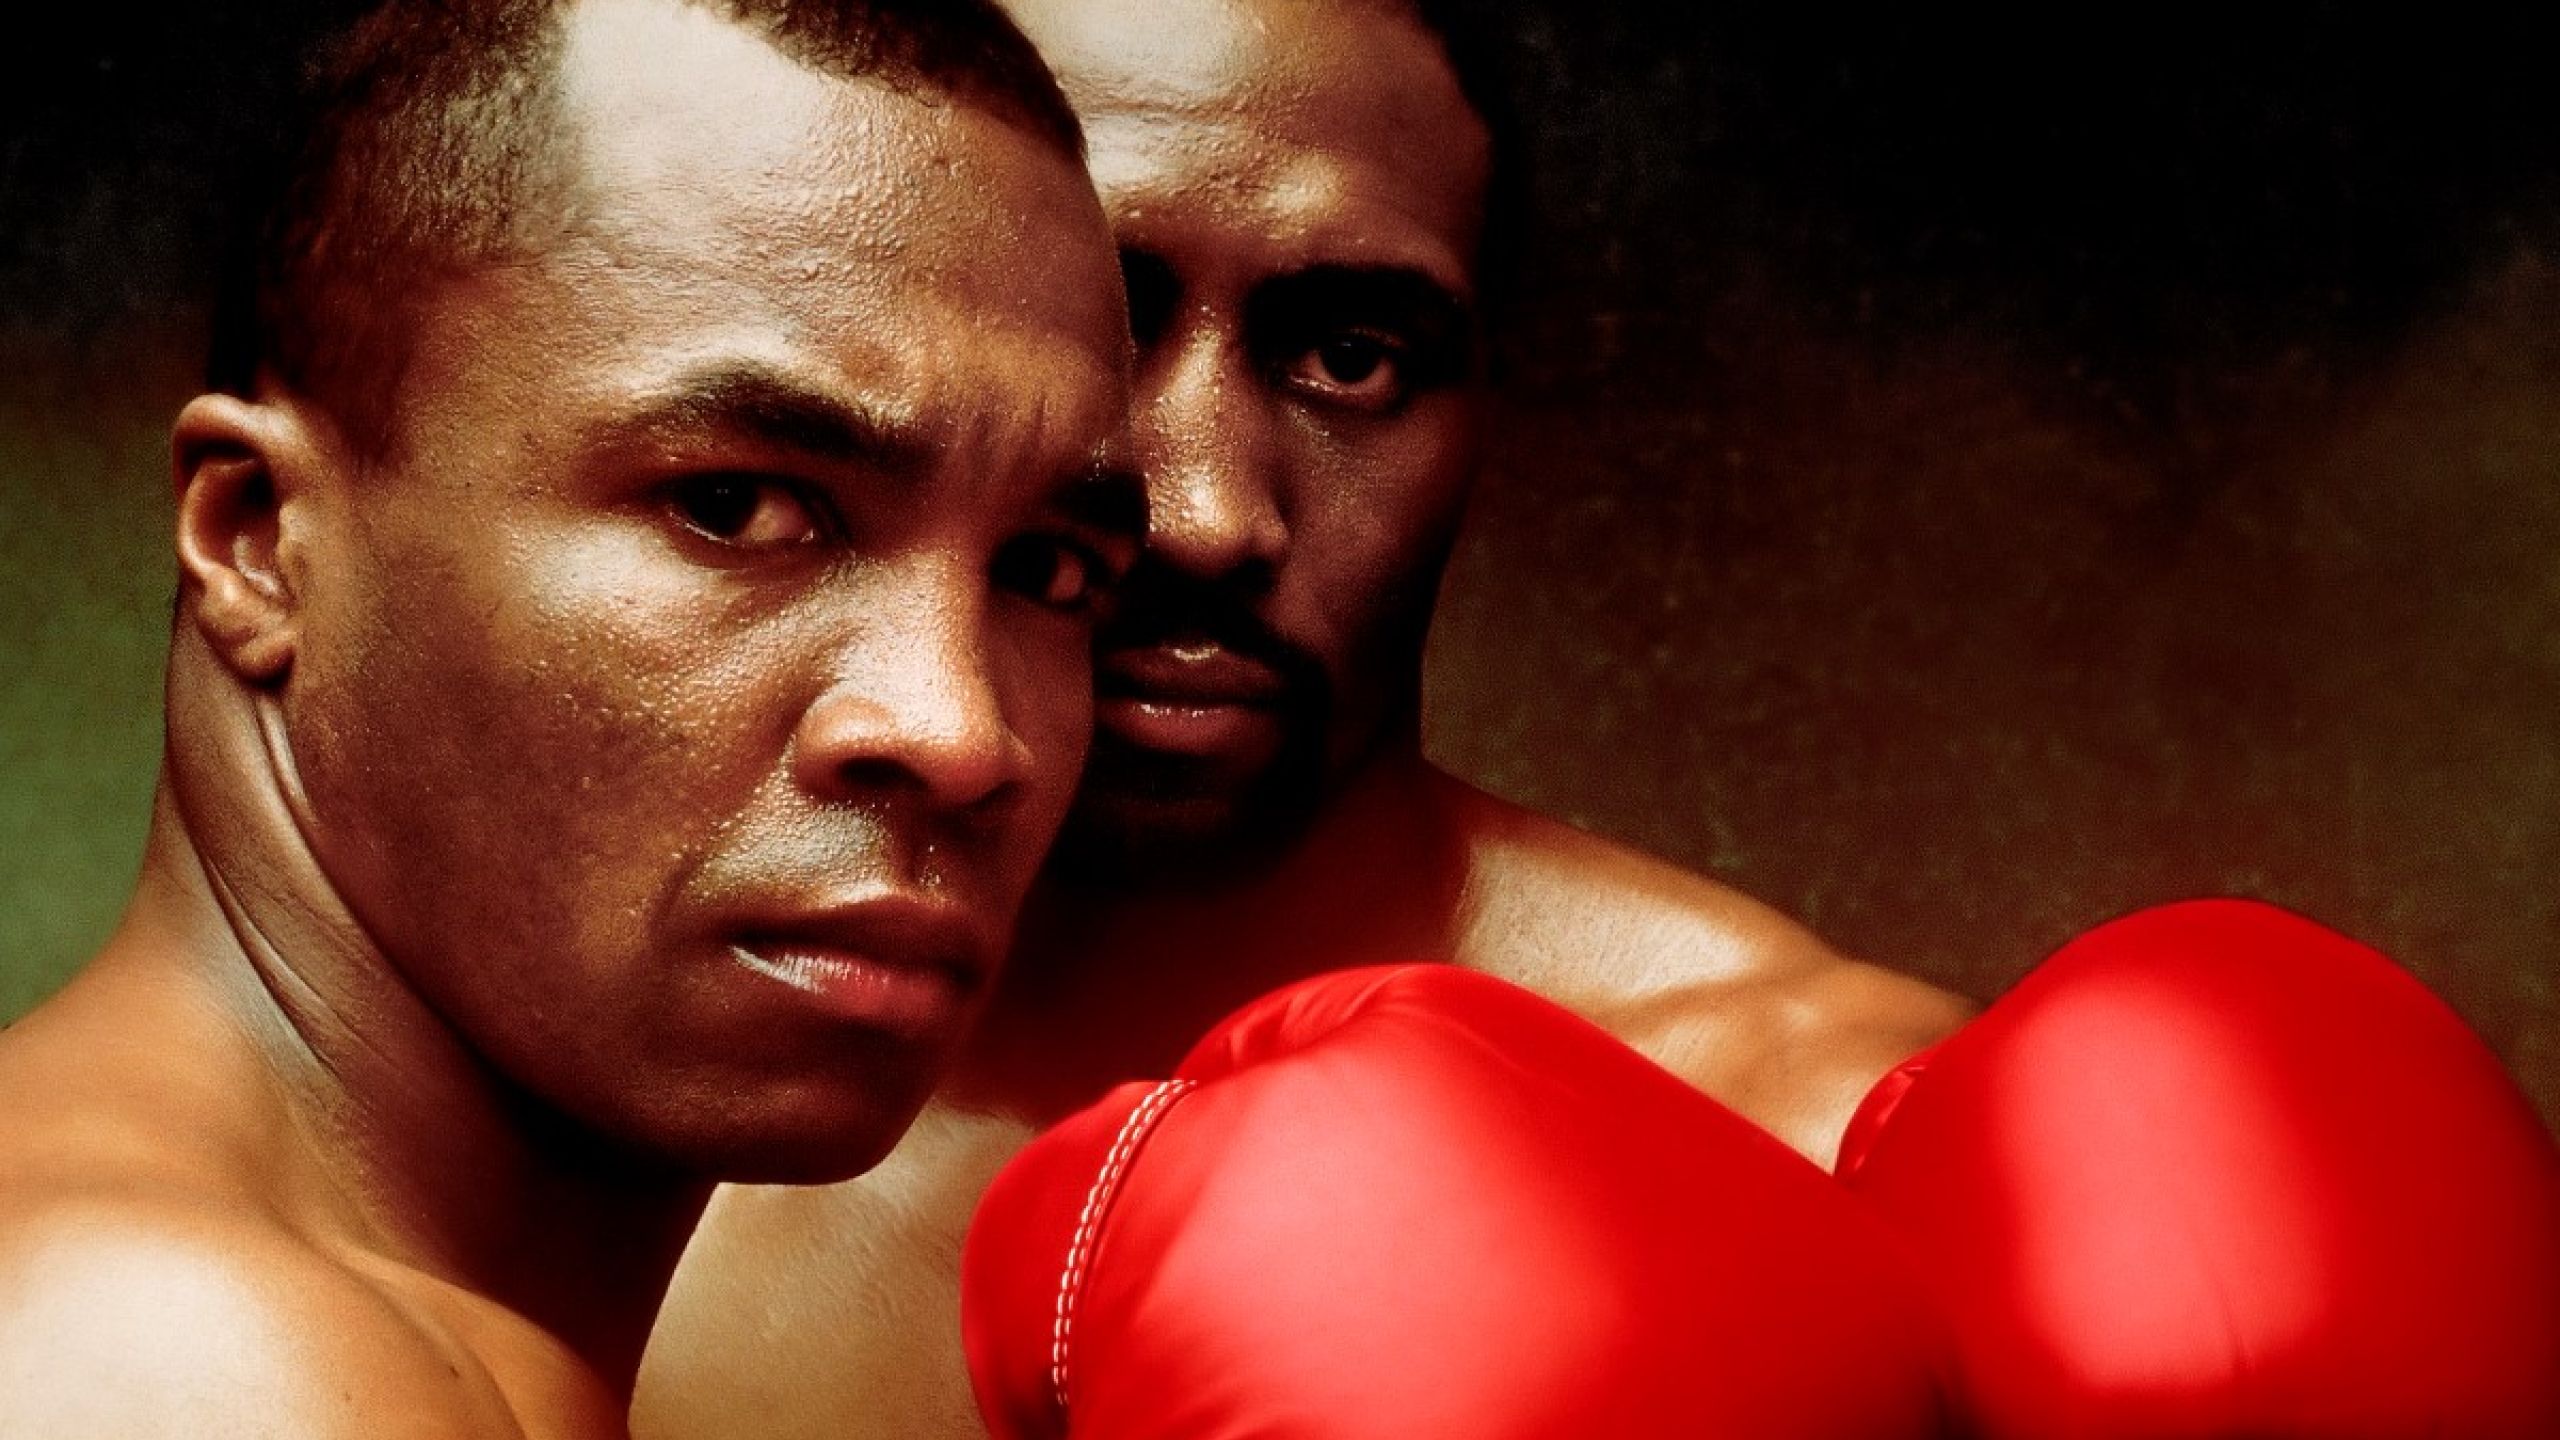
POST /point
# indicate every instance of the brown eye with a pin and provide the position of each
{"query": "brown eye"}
(748, 511)
(1359, 370)
(1351, 359)
(1052, 573)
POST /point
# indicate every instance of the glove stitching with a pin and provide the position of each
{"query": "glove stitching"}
(1097, 1202)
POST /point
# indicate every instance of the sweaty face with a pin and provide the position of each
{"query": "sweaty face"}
(685, 702)
(1297, 191)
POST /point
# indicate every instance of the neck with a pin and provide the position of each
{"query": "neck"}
(1109, 984)
(433, 1161)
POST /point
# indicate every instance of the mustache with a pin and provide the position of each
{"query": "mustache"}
(1160, 605)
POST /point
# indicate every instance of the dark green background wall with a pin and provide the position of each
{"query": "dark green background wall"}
(1962, 479)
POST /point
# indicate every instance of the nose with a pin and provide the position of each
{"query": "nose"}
(914, 711)
(1209, 448)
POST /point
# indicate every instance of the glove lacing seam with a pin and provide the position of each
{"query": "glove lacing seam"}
(1097, 1203)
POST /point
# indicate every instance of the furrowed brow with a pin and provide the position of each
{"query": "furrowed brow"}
(771, 408)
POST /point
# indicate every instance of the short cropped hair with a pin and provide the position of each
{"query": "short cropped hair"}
(421, 130)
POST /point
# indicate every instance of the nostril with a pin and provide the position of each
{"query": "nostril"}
(957, 771)
(873, 776)
(1255, 577)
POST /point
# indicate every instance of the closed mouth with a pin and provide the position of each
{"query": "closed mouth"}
(895, 962)
(1197, 674)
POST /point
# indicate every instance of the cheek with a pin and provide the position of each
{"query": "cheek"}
(522, 753)
(1375, 531)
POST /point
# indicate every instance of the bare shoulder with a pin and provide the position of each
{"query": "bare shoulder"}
(127, 1314)
(1738, 999)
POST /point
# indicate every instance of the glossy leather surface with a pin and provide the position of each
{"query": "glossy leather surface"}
(1419, 1202)
(2214, 1170)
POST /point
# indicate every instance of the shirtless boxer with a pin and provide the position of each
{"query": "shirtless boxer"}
(633, 650)
(1298, 188)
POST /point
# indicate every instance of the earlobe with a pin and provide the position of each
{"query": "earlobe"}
(237, 464)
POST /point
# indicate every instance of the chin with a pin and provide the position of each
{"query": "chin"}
(1146, 819)
(798, 1135)
(1126, 840)
(798, 1165)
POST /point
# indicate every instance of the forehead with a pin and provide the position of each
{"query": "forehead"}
(1311, 131)
(686, 132)
(712, 200)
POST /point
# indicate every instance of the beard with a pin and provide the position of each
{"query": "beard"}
(1146, 818)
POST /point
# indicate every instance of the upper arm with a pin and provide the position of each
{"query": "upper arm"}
(120, 1325)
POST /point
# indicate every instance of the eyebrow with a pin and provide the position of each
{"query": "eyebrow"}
(771, 407)
(1401, 289)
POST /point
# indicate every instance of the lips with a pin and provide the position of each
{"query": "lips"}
(1189, 697)
(1188, 672)
(902, 964)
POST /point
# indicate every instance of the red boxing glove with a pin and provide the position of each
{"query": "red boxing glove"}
(2215, 1171)
(1416, 1201)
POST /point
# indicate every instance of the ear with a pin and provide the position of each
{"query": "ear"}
(239, 467)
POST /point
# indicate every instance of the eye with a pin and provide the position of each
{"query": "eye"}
(1052, 572)
(1353, 368)
(749, 512)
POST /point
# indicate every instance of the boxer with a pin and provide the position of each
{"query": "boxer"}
(638, 572)
(1299, 189)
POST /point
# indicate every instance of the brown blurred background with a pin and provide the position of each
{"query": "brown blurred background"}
(1962, 478)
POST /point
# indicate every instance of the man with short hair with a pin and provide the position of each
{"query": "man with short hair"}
(1299, 192)
(633, 649)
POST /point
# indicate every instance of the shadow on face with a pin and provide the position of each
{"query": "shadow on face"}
(1297, 188)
